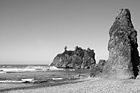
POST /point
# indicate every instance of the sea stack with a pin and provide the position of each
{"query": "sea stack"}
(123, 58)
(77, 59)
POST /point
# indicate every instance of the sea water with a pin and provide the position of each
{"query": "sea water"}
(39, 73)
(21, 68)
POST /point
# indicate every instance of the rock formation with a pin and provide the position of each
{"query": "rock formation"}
(77, 59)
(101, 63)
(139, 67)
(123, 53)
(97, 69)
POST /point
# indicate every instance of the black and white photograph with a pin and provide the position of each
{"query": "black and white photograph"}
(69, 46)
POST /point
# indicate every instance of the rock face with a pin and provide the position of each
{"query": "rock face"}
(101, 63)
(123, 53)
(97, 69)
(77, 59)
(139, 67)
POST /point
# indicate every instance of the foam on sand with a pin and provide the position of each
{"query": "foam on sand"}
(90, 85)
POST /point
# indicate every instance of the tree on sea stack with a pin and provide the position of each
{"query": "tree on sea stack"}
(123, 58)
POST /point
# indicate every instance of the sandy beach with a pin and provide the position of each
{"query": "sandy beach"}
(89, 85)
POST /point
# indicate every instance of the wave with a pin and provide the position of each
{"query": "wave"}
(10, 69)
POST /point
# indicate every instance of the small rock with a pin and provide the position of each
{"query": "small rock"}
(138, 77)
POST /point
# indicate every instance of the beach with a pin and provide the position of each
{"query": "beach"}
(89, 85)
(64, 81)
(25, 78)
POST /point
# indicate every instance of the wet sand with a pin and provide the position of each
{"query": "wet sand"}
(88, 85)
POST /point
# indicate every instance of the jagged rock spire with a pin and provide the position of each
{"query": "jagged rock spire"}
(124, 17)
(123, 53)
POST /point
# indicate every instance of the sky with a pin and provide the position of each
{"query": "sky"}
(35, 31)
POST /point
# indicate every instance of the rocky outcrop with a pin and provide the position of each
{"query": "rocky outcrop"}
(77, 59)
(123, 53)
(97, 69)
(139, 67)
(101, 63)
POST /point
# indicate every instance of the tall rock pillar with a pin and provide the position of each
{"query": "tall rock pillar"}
(123, 53)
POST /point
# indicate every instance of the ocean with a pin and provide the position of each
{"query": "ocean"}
(6, 68)
(37, 75)
(22, 65)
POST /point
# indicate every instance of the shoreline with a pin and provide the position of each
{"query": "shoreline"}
(88, 85)
(26, 86)
(33, 80)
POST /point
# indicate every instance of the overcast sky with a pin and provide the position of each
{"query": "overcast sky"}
(35, 31)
